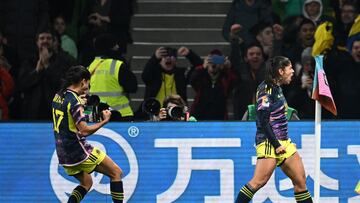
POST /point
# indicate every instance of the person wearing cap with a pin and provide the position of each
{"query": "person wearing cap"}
(111, 78)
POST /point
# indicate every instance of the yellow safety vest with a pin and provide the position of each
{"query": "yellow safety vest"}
(104, 82)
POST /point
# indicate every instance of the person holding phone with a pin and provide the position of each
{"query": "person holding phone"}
(212, 81)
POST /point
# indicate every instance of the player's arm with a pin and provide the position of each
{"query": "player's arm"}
(263, 112)
(86, 130)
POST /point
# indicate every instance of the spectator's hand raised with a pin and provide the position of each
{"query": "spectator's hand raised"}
(207, 62)
(160, 52)
(183, 51)
(234, 31)
(94, 19)
(44, 58)
(227, 63)
(278, 31)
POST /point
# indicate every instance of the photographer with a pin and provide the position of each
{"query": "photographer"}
(75, 154)
(174, 109)
(162, 76)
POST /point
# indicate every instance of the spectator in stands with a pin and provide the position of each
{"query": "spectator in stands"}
(9, 54)
(313, 10)
(111, 78)
(40, 77)
(345, 70)
(355, 52)
(348, 13)
(67, 44)
(162, 77)
(6, 88)
(247, 13)
(305, 38)
(300, 96)
(212, 81)
(106, 17)
(291, 26)
(270, 38)
(250, 73)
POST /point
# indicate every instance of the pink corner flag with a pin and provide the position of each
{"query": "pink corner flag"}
(321, 90)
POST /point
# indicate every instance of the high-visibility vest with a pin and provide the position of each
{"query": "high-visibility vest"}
(104, 82)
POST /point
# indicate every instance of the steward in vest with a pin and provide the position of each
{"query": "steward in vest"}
(111, 78)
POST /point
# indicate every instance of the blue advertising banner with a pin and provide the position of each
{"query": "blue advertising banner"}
(165, 162)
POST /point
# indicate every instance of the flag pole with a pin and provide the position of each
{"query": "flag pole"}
(317, 151)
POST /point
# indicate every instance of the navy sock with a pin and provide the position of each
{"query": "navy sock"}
(245, 195)
(117, 191)
(77, 194)
(303, 197)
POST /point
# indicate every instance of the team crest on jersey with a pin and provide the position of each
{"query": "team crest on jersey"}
(265, 101)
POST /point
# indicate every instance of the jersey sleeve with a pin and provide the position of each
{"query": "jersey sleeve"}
(77, 110)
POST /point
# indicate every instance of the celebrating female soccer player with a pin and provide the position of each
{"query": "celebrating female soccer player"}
(77, 156)
(273, 146)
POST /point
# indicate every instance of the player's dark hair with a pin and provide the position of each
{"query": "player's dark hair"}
(73, 76)
(273, 65)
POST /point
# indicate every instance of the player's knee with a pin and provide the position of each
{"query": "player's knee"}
(300, 183)
(258, 183)
(87, 183)
(116, 173)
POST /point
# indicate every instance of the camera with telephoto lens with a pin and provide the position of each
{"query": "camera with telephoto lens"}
(152, 107)
(94, 107)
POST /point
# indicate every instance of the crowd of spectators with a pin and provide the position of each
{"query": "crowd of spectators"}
(41, 39)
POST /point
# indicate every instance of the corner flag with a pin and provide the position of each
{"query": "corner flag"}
(321, 90)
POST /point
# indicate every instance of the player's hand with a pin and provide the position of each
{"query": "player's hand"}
(280, 150)
(83, 99)
(106, 115)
